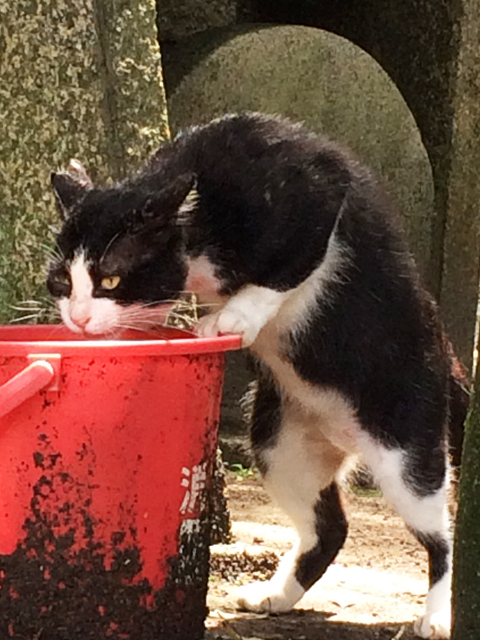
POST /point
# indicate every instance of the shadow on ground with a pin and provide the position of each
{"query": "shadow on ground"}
(302, 625)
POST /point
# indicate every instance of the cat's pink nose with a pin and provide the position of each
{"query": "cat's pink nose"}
(82, 321)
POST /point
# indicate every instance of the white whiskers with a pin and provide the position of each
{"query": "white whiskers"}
(54, 253)
(35, 311)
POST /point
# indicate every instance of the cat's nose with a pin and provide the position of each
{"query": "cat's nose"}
(81, 321)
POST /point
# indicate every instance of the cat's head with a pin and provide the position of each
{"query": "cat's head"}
(120, 257)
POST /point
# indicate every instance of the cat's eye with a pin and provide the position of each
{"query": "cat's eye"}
(110, 282)
(63, 278)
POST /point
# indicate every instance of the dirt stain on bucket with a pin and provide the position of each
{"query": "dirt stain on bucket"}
(63, 583)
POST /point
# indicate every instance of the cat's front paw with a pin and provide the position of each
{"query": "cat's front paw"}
(434, 626)
(229, 321)
(263, 597)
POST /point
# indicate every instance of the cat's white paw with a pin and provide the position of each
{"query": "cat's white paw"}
(262, 597)
(435, 626)
(229, 321)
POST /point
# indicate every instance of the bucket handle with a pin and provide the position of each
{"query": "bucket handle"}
(25, 384)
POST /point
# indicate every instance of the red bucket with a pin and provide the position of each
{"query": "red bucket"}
(107, 449)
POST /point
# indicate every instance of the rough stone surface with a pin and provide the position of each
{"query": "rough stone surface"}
(466, 581)
(316, 77)
(77, 80)
(461, 263)
(178, 19)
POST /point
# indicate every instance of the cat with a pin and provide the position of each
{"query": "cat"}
(294, 245)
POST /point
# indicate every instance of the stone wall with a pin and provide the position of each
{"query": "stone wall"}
(176, 20)
(77, 80)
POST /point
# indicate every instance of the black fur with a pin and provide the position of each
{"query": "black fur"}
(332, 527)
(265, 416)
(438, 554)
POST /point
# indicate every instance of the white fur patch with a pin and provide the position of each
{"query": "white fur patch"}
(82, 285)
(202, 280)
(76, 311)
(428, 514)
(277, 595)
(295, 312)
(437, 621)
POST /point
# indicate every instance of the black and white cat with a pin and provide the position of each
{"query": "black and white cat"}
(297, 249)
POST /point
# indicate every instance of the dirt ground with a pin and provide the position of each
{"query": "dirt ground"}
(373, 591)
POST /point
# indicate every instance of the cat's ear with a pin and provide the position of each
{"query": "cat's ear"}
(70, 187)
(170, 204)
(178, 194)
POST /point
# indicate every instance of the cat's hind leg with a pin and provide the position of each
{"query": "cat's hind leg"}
(415, 481)
(299, 467)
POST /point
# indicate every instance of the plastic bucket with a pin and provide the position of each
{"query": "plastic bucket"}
(106, 448)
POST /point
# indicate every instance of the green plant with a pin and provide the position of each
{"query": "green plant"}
(240, 472)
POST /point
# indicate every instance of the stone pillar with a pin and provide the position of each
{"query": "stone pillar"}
(466, 578)
(78, 80)
(461, 259)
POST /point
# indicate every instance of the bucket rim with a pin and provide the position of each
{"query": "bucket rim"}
(22, 340)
